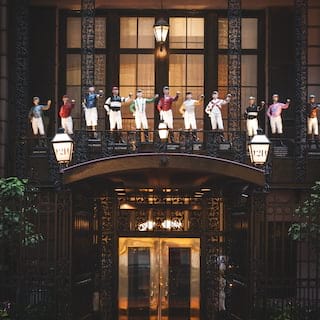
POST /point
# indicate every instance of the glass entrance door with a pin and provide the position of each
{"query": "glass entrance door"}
(159, 278)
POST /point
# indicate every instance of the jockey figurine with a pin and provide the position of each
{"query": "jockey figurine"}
(35, 116)
(90, 109)
(138, 108)
(251, 116)
(113, 106)
(312, 120)
(165, 109)
(213, 109)
(274, 113)
(65, 114)
(187, 110)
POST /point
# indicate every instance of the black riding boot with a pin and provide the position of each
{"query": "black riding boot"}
(138, 135)
(121, 140)
(309, 140)
(171, 136)
(146, 135)
(194, 135)
(316, 140)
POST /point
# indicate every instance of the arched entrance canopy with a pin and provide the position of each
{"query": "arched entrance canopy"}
(163, 169)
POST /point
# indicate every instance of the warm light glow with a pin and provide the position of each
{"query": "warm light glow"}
(161, 29)
(259, 149)
(146, 226)
(127, 206)
(172, 224)
(62, 146)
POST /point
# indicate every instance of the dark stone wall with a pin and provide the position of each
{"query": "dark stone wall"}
(43, 59)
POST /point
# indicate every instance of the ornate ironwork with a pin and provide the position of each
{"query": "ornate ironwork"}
(87, 45)
(301, 34)
(21, 81)
(63, 240)
(234, 74)
(107, 240)
(214, 247)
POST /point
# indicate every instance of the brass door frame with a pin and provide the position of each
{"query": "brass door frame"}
(159, 276)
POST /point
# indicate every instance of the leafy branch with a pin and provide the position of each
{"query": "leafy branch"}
(17, 208)
(308, 213)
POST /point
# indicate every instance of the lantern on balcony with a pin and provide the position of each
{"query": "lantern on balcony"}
(62, 146)
(163, 130)
(161, 29)
(259, 148)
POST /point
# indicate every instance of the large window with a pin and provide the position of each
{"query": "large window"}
(249, 61)
(186, 63)
(129, 58)
(137, 63)
(73, 65)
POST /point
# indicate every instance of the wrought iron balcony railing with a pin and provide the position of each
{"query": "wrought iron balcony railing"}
(89, 145)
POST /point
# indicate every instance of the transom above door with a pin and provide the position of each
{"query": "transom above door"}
(159, 279)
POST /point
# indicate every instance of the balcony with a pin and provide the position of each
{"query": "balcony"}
(101, 144)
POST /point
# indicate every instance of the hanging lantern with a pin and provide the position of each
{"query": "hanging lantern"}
(259, 148)
(161, 29)
(62, 146)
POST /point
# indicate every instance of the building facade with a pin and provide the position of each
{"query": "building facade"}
(146, 229)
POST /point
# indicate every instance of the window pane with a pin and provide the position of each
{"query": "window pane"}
(249, 33)
(249, 70)
(145, 31)
(222, 71)
(74, 32)
(314, 36)
(128, 70)
(75, 93)
(73, 69)
(195, 33)
(314, 55)
(223, 33)
(177, 33)
(100, 32)
(145, 70)
(314, 75)
(177, 70)
(314, 90)
(195, 65)
(100, 69)
(314, 17)
(128, 32)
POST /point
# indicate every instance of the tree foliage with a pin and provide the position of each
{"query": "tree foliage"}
(17, 207)
(308, 225)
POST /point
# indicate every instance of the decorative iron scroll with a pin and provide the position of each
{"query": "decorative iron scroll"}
(63, 254)
(87, 45)
(234, 74)
(214, 248)
(21, 91)
(257, 257)
(107, 241)
(301, 33)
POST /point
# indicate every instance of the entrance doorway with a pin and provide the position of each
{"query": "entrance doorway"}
(159, 278)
